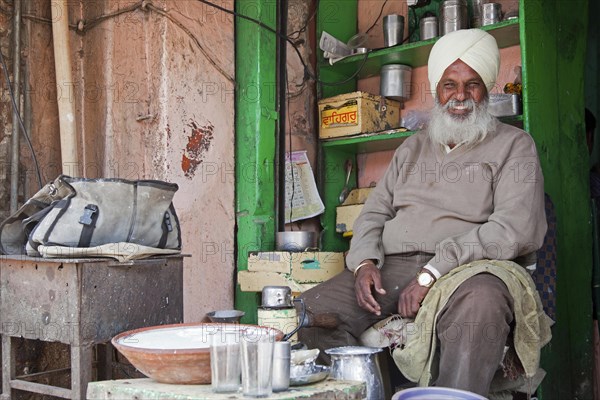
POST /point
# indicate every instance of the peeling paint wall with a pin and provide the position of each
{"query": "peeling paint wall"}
(154, 95)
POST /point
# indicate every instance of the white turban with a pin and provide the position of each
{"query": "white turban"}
(475, 47)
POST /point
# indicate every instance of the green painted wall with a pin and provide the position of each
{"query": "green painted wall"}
(553, 58)
(592, 72)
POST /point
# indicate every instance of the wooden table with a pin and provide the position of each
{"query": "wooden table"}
(148, 389)
(81, 303)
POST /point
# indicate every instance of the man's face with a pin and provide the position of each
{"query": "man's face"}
(460, 83)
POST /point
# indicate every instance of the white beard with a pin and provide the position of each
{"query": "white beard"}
(445, 128)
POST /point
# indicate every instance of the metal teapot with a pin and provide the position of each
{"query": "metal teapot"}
(356, 363)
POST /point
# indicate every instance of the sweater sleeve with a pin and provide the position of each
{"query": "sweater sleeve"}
(378, 209)
(517, 224)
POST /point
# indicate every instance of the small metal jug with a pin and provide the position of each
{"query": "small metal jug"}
(357, 363)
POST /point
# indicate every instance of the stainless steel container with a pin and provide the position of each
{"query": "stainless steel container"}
(277, 297)
(453, 16)
(395, 81)
(393, 30)
(428, 28)
(295, 241)
(356, 363)
(491, 13)
(504, 105)
(477, 12)
(281, 366)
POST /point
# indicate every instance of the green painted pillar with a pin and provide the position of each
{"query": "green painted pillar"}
(553, 60)
(255, 140)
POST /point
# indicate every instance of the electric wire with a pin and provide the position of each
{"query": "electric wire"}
(290, 148)
(377, 19)
(290, 41)
(193, 37)
(303, 29)
(16, 112)
(83, 26)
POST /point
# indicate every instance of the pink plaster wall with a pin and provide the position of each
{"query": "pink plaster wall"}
(371, 166)
(150, 105)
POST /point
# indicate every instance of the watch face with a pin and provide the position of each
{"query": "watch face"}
(424, 279)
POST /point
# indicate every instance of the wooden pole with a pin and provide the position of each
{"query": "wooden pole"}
(64, 84)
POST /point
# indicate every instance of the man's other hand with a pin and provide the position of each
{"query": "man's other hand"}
(368, 277)
(411, 298)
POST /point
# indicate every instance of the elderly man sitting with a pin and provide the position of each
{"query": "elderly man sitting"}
(466, 188)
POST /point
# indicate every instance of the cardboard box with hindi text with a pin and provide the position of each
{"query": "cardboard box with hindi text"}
(356, 113)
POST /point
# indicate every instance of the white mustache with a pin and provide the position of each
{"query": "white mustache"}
(468, 104)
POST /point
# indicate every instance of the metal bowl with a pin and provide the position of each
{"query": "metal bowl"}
(302, 376)
(178, 353)
(296, 241)
(229, 316)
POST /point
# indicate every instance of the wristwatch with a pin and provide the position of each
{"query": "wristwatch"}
(425, 278)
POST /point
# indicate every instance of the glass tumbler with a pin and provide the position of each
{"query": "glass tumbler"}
(257, 364)
(225, 361)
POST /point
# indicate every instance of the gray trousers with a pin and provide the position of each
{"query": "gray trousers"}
(472, 329)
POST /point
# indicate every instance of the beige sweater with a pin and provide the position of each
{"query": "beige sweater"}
(483, 202)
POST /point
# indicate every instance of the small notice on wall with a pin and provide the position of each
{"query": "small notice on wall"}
(302, 198)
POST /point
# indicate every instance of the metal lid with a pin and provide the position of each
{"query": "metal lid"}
(396, 66)
(353, 350)
(447, 3)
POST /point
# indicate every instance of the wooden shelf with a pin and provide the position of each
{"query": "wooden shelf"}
(416, 54)
(368, 143)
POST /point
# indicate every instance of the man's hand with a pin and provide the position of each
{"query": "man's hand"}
(368, 276)
(411, 298)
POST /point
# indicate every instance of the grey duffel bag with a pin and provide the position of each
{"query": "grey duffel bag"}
(80, 212)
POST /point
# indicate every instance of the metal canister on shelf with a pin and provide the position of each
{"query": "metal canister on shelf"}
(428, 27)
(395, 81)
(476, 19)
(393, 30)
(491, 13)
(453, 16)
